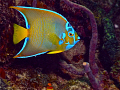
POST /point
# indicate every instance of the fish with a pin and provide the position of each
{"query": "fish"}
(46, 31)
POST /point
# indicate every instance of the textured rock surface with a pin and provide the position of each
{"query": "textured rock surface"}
(36, 72)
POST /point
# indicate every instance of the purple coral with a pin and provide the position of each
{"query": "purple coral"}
(93, 69)
(34, 3)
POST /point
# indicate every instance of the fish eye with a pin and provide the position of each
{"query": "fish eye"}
(70, 34)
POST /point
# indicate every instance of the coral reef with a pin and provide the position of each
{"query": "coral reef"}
(76, 85)
(5, 31)
(105, 17)
(93, 43)
(65, 71)
(3, 85)
(110, 46)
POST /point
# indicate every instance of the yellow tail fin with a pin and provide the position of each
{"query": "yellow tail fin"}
(19, 33)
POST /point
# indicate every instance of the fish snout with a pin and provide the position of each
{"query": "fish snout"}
(77, 40)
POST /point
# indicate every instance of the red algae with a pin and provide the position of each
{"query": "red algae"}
(2, 73)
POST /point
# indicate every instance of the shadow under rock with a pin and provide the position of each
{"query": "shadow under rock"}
(48, 63)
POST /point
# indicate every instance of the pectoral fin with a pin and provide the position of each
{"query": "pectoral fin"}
(53, 38)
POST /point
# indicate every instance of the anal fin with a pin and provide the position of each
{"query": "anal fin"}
(54, 52)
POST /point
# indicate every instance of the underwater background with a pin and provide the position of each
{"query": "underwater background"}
(64, 71)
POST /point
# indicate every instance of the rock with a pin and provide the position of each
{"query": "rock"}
(78, 49)
(3, 85)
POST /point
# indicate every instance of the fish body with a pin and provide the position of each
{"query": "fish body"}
(46, 32)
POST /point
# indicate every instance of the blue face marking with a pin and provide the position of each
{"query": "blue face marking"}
(67, 43)
(25, 42)
(63, 36)
(67, 26)
(61, 42)
(28, 26)
(78, 38)
(32, 55)
(76, 41)
(60, 36)
(27, 39)
(69, 46)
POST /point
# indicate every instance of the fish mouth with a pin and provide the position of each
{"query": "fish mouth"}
(71, 45)
(76, 41)
(78, 38)
(67, 43)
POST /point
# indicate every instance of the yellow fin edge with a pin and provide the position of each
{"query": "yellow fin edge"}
(18, 8)
(15, 56)
(11, 7)
(54, 52)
